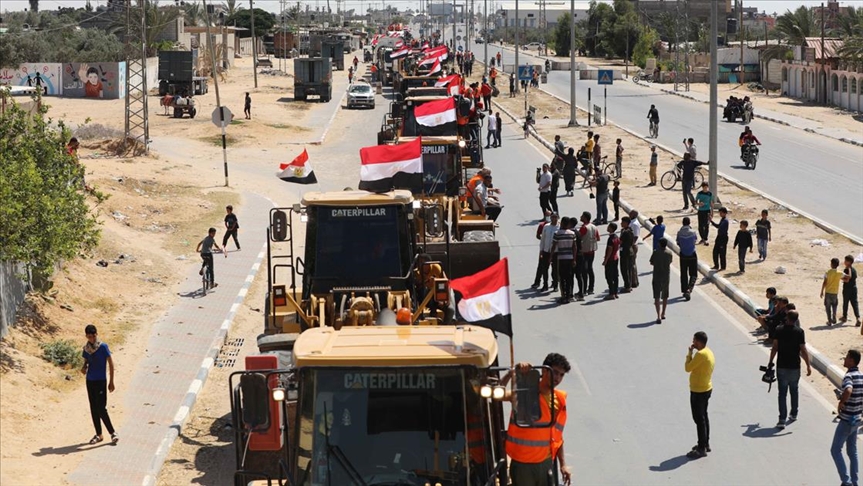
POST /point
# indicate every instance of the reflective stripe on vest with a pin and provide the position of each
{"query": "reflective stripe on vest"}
(535, 445)
(476, 439)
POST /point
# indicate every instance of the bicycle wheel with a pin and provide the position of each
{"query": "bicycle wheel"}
(668, 180)
(204, 284)
(610, 170)
(698, 179)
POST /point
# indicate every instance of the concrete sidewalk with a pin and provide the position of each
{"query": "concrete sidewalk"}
(801, 123)
(179, 355)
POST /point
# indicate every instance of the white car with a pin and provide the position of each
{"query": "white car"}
(361, 94)
(534, 45)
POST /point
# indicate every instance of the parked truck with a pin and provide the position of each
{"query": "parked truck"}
(177, 74)
(328, 45)
(313, 76)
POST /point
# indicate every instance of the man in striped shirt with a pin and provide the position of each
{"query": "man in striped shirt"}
(563, 246)
(850, 407)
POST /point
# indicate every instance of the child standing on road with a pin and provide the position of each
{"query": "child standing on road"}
(231, 227)
(615, 198)
(654, 162)
(743, 242)
(830, 290)
(763, 234)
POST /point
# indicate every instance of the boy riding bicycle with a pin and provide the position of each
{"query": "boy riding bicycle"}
(205, 248)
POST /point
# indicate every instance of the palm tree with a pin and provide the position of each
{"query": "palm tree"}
(231, 7)
(34, 5)
(194, 14)
(796, 26)
(852, 50)
(850, 23)
(156, 18)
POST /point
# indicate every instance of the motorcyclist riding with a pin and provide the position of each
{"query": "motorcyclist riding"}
(747, 138)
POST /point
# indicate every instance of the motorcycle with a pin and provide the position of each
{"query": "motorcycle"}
(642, 76)
(750, 155)
(748, 112)
(732, 112)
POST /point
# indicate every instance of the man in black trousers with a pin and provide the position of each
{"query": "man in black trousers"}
(720, 244)
(686, 240)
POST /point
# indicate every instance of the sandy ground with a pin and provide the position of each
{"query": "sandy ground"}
(791, 247)
(147, 220)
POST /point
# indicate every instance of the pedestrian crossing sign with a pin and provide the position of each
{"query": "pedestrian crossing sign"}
(525, 73)
(606, 76)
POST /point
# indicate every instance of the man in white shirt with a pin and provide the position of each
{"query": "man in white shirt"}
(635, 226)
(491, 137)
(544, 188)
(545, 243)
(689, 148)
(483, 203)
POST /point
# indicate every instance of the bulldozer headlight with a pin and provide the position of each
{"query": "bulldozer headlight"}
(498, 392)
(279, 394)
(485, 391)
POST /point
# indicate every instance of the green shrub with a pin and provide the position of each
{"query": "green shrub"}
(62, 353)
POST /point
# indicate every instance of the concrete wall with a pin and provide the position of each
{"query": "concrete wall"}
(105, 80)
(47, 75)
(12, 293)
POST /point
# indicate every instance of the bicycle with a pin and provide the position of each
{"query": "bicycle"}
(207, 275)
(610, 168)
(654, 129)
(671, 177)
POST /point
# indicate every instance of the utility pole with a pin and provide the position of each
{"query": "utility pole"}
(137, 129)
(686, 67)
(821, 73)
(714, 100)
(486, 40)
(517, 81)
(222, 121)
(740, 37)
(453, 26)
(676, 43)
(572, 108)
(254, 59)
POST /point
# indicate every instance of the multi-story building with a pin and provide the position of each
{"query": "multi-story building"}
(530, 13)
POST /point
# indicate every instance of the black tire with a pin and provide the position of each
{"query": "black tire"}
(668, 180)
(192, 113)
(698, 178)
(178, 112)
(611, 171)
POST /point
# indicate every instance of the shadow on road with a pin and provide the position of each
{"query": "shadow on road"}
(670, 464)
(643, 325)
(756, 431)
(70, 449)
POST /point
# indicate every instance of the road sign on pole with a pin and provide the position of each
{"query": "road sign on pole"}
(217, 118)
(525, 73)
(605, 76)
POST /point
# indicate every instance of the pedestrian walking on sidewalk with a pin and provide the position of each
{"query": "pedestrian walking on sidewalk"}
(687, 174)
(627, 241)
(247, 107)
(699, 364)
(611, 262)
(849, 290)
(704, 205)
(688, 258)
(654, 163)
(589, 237)
(789, 343)
(231, 227)
(720, 244)
(830, 290)
(661, 260)
(99, 370)
(743, 243)
(555, 187)
(763, 233)
(850, 408)
(546, 242)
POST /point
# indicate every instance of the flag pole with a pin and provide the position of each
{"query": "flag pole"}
(511, 345)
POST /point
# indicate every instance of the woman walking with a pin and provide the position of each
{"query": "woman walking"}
(99, 369)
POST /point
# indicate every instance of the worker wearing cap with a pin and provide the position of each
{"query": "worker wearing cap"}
(532, 451)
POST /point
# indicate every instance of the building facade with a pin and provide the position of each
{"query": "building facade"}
(820, 77)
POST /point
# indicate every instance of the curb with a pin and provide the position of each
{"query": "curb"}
(328, 125)
(857, 240)
(774, 120)
(200, 379)
(819, 361)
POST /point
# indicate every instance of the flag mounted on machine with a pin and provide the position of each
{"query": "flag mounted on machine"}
(482, 299)
(298, 171)
(388, 167)
(453, 81)
(425, 46)
(436, 117)
(402, 51)
(435, 67)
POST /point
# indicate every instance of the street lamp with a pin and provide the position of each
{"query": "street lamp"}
(572, 108)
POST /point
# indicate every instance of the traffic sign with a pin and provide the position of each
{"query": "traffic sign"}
(458, 37)
(217, 119)
(460, 48)
(606, 76)
(525, 73)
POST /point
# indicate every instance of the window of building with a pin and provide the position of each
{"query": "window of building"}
(784, 75)
(835, 83)
(844, 84)
(853, 85)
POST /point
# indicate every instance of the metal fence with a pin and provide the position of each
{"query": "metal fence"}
(13, 290)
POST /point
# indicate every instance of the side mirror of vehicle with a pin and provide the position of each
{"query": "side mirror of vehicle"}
(279, 226)
(256, 401)
(526, 405)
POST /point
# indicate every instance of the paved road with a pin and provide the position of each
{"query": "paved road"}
(629, 413)
(818, 175)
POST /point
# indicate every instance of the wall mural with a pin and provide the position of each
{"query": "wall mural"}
(41, 75)
(106, 80)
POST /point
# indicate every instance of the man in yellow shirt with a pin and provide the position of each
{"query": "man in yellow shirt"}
(699, 365)
(830, 290)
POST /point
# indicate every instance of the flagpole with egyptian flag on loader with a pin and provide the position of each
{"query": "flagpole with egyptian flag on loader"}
(298, 171)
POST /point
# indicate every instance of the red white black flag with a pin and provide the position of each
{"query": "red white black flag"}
(388, 167)
(298, 171)
(482, 299)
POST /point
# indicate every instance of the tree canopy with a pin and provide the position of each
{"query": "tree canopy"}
(264, 21)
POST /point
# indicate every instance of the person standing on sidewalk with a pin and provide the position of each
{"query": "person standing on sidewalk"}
(563, 248)
(743, 242)
(688, 258)
(544, 180)
(654, 163)
(611, 262)
(588, 147)
(546, 242)
(687, 174)
(618, 159)
(661, 260)
(615, 199)
(720, 244)
(849, 290)
(850, 408)
(627, 241)
(657, 232)
(789, 343)
(830, 290)
(700, 366)
(231, 227)
(763, 233)
(498, 128)
(704, 205)
(570, 166)
(635, 226)
(589, 243)
(491, 133)
(601, 184)
(99, 370)
(597, 155)
(555, 187)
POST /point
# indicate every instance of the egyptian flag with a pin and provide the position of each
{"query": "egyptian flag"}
(375, 39)
(403, 51)
(388, 167)
(453, 81)
(436, 117)
(439, 52)
(298, 171)
(426, 46)
(482, 299)
(435, 67)
(427, 61)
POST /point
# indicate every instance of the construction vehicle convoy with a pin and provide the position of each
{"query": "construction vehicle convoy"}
(365, 374)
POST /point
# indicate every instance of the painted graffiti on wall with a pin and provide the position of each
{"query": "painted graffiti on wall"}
(41, 75)
(94, 80)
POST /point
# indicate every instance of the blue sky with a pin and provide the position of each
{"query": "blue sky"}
(770, 6)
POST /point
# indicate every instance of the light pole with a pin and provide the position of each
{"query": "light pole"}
(485, 29)
(714, 99)
(517, 81)
(572, 108)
